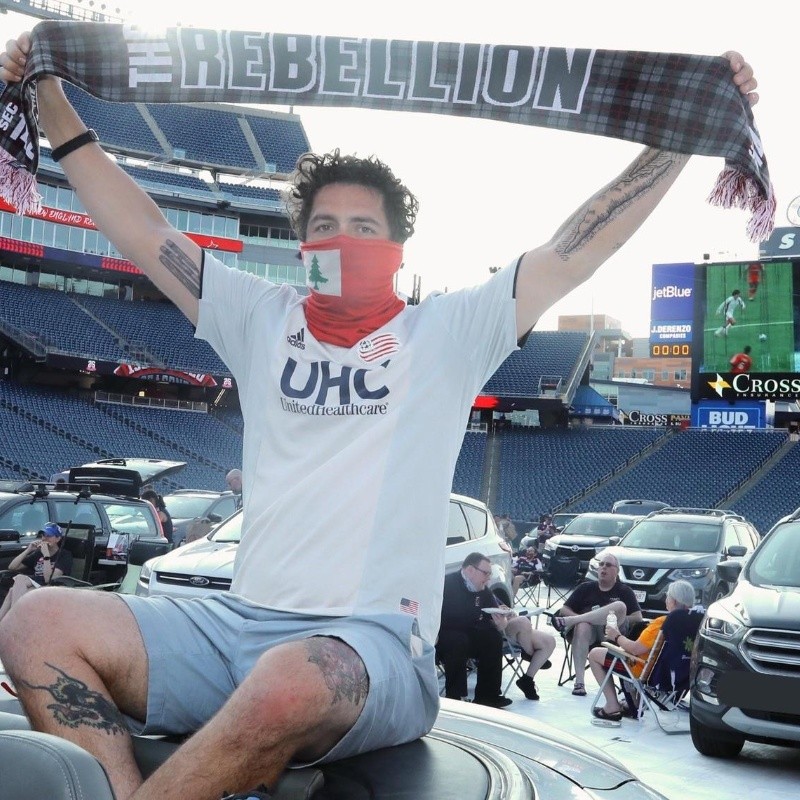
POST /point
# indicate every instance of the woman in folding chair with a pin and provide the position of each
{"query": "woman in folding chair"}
(680, 595)
(37, 565)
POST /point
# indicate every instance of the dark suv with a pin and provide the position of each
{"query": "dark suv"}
(104, 494)
(681, 543)
(745, 676)
(586, 535)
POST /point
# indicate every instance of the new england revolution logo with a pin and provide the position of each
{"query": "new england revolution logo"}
(377, 347)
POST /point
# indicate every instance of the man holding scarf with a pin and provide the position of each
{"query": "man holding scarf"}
(324, 647)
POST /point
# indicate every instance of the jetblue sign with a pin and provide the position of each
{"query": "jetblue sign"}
(740, 416)
(671, 310)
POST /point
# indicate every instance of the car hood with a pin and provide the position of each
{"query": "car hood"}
(765, 606)
(579, 539)
(203, 557)
(555, 749)
(662, 558)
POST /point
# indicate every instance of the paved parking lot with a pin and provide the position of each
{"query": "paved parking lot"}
(669, 764)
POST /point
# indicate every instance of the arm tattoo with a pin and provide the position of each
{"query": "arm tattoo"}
(181, 266)
(76, 705)
(643, 175)
(341, 667)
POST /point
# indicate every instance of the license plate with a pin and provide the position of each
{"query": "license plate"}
(640, 596)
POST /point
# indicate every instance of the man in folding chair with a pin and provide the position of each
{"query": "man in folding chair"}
(581, 620)
(632, 661)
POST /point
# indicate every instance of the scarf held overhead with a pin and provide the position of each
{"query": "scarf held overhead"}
(680, 103)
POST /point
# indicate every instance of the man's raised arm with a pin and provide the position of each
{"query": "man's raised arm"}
(119, 208)
(604, 222)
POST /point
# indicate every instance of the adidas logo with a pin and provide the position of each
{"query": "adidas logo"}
(298, 339)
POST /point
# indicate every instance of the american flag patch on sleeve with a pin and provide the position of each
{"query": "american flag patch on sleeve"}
(409, 606)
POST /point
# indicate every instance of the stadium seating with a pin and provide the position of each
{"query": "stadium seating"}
(120, 125)
(57, 322)
(546, 354)
(695, 468)
(468, 478)
(142, 323)
(542, 469)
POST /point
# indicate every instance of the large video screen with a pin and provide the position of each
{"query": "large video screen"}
(747, 331)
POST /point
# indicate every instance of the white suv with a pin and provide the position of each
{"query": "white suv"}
(207, 564)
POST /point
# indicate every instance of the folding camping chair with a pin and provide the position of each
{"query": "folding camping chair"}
(664, 679)
(560, 578)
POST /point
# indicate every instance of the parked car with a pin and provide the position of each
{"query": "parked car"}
(639, 507)
(586, 535)
(104, 494)
(745, 675)
(207, 564)
(197, 506)
(681, 543)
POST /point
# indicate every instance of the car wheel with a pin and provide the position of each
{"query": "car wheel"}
(712, 743)
(721, 591)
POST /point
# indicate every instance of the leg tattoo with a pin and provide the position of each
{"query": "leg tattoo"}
(77, 705)
(341, 668)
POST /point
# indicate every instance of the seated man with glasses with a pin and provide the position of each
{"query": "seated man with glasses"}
(467, 631)
(582, 618)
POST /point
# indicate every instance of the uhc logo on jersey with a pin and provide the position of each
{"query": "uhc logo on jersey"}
(377, 347)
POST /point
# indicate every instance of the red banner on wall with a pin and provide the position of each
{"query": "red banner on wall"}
(78, 220)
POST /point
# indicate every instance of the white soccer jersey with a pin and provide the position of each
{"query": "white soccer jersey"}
(349, 453)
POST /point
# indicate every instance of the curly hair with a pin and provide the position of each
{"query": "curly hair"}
(315, 171)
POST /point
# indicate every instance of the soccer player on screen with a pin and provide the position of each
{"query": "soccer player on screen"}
(728, 308)
(741, 362)
(754, 272)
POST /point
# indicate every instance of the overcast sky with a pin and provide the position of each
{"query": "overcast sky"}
(490, 190)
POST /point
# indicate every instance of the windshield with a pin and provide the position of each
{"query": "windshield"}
(777, 561)
(186, 506)
(230, 531)
(599, 526)
(666, 534)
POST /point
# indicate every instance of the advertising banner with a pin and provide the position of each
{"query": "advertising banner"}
(671, 310)
(741, 416)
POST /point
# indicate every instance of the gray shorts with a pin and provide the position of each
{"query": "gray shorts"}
(200, 650)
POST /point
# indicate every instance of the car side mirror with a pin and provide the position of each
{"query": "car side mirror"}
(729, 571)
(214, 518)
(737, 551)
(9, 535)
(455, 540)
(614, 540)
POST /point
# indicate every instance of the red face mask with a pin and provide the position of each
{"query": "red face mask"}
(351, 287)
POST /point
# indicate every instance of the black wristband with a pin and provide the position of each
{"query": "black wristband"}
(73, 144)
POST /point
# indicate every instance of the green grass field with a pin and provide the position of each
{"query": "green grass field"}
(770, 313)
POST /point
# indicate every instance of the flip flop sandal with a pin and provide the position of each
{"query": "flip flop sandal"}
(557, 622)
(612, 718)
(579, 689)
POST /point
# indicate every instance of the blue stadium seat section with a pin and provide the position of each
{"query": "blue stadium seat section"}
(145, 323)
(543, 469)
(207, 136)
(57, 322)
(281, 141)
(693, 468)
(118, 124)
(171, 181)
(545, 354)
(468, 477)
(47, 430)
(773, 494)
